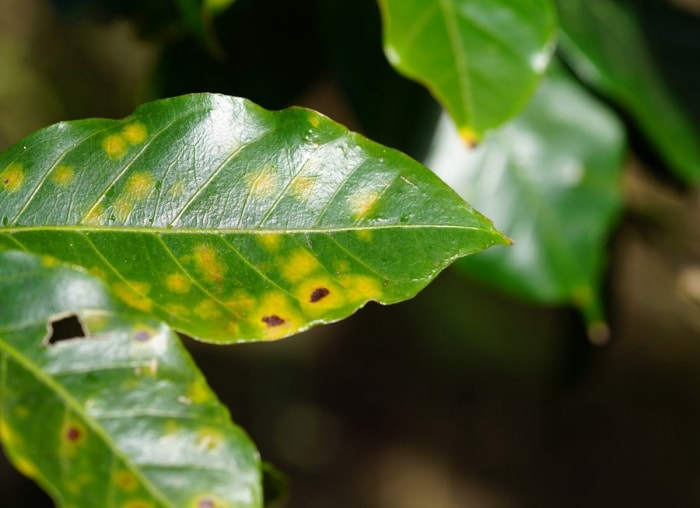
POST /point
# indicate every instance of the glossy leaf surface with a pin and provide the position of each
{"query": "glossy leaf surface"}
(603, 41)
(120, 418)
(550, 179)
(480, 58)
(231, 222)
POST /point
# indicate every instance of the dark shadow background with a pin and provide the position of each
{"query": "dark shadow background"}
(457, 398)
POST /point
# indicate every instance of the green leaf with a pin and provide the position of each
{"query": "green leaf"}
(551, 180)
(120, 418)
(480, 58)
(605, 44)
(230, 222)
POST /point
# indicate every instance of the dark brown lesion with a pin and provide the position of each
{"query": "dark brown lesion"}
(273, 320)
(319, 294)
(73, 434)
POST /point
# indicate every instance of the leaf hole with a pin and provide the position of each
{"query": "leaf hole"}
(65, 328)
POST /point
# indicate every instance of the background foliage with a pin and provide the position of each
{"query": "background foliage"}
(427, 398)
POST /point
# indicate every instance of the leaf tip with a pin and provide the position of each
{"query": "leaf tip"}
(469, 136)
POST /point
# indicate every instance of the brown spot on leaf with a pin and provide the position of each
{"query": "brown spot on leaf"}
(319, 294)
(273, 320)
(73, 434)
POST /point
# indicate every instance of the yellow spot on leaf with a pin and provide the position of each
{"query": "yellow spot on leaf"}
(319, 294)
(63, 175)
(263, 183)
(208, 264)
(270, 241)
(123, 207)
(134, 295)
(209, 438)
(276, 316)
(139, 186)
(72, 436)
(364, 234)
(198, 392)
(7, 435)
(48, 261)
(11, 177)
(233, 328)
(298, 265)
(362, 202)
(96, 216)
(178, 283)
(115, 146)
(303, 187)
(207, 309)
(360, 288)
(469, 136)
(171, 427)
(125, 480)
(135, 133)
(139, 503)
(240, 303)
(175, 310)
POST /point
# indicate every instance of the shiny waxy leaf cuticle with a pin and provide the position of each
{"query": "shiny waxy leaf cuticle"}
(231, 222)
(119, 418)
(481, 59)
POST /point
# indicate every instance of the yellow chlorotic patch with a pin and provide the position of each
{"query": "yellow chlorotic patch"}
(198, 392)
(360, 288)
(298, 265)
(209, 438)
(207, 309)
(233, 328)
(303, 187)
(96, 216)
(208, 263)
(62, 175)
(138, 503)
(314, 121)
(176, 310)
(270, 241)
(178, 283)
(264, 183)
(115, 146)
(362, 202)
(177, 189)
(139, 186)
(135, 133)
(240, 302)
(469, 136)
(318, 295)
(7, 434)
(123, 207)
(73, 436)
(49, 261)
(134, 295)
(125, 480)
(11, 177)
(276, 316)
(171, 427)
(25, 466)
(364, 234)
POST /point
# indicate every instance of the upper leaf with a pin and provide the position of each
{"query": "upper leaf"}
(232, 222)
(480, 58)
(121, 418)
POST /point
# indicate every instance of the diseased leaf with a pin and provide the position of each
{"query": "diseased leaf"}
(121, 418)
(480, 58)
(551, 180)
(604, 43)
(231, 222)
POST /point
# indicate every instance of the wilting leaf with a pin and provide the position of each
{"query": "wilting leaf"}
(118, 418)
(231, 222)
(480, 58)
(550, 179)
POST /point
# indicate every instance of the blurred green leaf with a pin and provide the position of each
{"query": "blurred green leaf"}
(118, 418)
(480, 58)
(604, 43)
(231, 222)
(550, 179)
